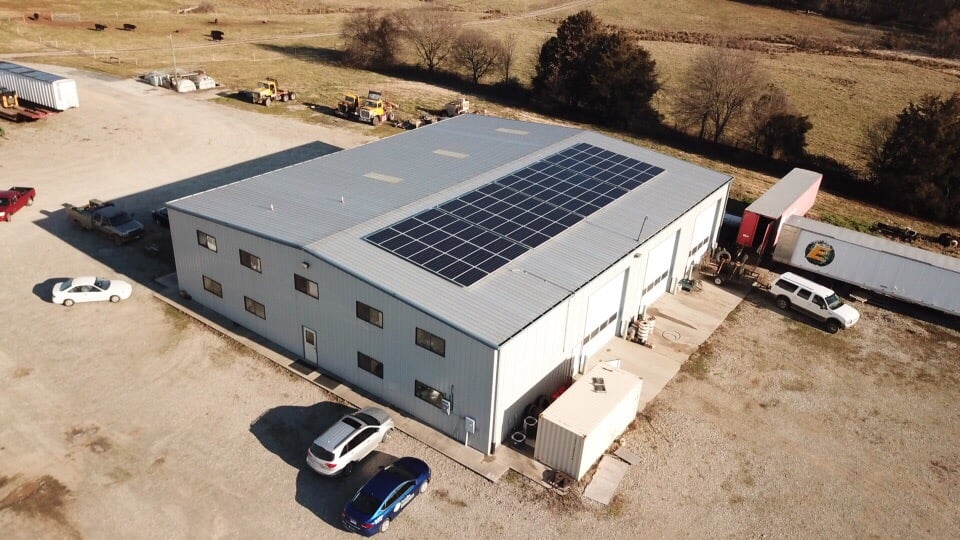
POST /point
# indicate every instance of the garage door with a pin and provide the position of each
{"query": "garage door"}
(659, 264)
(603, 311)
(702, 229)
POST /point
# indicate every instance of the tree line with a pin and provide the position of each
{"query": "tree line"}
(598, 73)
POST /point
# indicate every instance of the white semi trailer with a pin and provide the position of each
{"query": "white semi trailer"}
(871, 263)
(51, 91)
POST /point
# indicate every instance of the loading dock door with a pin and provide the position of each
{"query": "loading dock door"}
(660, 263)
(702, 230)
(603, 311)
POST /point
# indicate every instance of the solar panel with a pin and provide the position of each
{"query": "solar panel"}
(473, 235)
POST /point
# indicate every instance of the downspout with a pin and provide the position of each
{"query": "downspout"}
(496, 395)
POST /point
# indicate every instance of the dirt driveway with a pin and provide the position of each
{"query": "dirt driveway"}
(131, 421)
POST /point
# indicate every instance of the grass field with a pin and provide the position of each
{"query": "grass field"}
(297, 41)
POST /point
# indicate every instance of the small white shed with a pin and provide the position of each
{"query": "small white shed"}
(577, 428)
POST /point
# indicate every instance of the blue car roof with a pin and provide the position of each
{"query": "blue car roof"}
(385, 481)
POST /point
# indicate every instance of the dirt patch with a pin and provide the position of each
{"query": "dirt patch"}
(444, 496)
(22, 372)
(44, 497)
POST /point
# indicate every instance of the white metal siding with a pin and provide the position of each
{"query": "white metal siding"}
(464, 374)
(59, 94)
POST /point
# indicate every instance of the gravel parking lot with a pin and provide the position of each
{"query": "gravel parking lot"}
(130, 420)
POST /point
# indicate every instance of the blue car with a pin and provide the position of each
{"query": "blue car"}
(385, 495)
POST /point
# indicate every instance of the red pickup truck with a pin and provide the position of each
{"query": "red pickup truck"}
(14, 199)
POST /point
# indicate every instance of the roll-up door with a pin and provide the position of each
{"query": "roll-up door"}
(659, 265)
(603, 311)
(702, 230)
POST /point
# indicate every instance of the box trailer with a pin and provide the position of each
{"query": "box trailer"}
(577, 428)
(872, 263)
(46, 89)
(792, 195)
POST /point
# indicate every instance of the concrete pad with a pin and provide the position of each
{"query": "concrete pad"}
(606, 480)
(627, 456)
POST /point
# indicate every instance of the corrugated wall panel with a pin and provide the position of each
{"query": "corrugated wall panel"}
(464, 374)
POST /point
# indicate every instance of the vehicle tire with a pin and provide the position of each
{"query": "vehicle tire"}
(68, 302)
(114, 299)
(267, 101)
(348, 469)
(387, 435)
(424, 486)
(284, 98)
(30, 201)
(375, 120)
(293, 96)
(718, 280)
(385, 525)
(783, 302)
(833, 326)
(391, 116)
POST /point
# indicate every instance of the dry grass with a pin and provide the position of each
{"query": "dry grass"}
(298, 44)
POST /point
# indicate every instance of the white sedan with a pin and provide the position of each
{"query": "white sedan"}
(90, 289)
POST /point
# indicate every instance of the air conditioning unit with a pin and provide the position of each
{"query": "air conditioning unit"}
(445, 405)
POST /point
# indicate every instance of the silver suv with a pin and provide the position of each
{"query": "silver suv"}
(348, 441)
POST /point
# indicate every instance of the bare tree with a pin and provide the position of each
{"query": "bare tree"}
(476, 51)
(875, 138)
(372, 39)
(508, 49)
(718, 87)
(771, 102)
(431, 33)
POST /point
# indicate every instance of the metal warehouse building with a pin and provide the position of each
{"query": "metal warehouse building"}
(456, 271)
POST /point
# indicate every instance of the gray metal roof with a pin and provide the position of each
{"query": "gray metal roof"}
(29, 72)
(775, 201)
(876, 243)
(327, 205)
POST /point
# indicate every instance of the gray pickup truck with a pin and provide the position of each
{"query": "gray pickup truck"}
(107, 219)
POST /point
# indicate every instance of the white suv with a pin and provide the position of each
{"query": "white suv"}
(815, 300)
(348, 441)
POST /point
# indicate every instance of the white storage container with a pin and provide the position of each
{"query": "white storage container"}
(577, 428)
(51, 91)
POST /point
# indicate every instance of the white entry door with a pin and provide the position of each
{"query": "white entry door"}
(310, 346)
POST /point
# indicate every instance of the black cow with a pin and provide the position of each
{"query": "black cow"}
(100, 27)
(129, 27)
(217, 35)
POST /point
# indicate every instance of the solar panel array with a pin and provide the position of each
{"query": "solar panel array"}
(468, 237)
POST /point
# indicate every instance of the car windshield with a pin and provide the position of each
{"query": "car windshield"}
(102, 284)
(833, 301)
(120, 219)
(370, 104)
(367, 419)
(4, 201)
(66, 285)
(366, 503)
(321, 452)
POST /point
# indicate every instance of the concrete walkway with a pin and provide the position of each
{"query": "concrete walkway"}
(684, 321)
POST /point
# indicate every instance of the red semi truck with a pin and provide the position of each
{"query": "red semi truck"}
(14, 199)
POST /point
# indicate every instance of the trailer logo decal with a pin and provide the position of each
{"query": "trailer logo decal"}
(819, 253)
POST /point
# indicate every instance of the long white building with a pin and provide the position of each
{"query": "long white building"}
(457, 271)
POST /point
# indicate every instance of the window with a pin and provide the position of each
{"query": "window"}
(431, 342)
(306, 286)
(362, 436)
(369, 314)
(254, 307)
(786, 285)
(699, 245)
(213, 286)
(207, 241)
(656, 282)
(805, 294)
(368, 363)
(428, 394)
(250, 260)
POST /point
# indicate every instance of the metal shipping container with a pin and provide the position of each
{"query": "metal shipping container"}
(577, 428)
(52, 91)
(872, 263)
(792, 195)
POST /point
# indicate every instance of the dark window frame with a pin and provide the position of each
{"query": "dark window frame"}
(210, 288)
(431, 342)
(368, 313)
(303, 284)
(250, 257)
(251, 306)
(426, 393)
(370, 364)
(204, 240)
